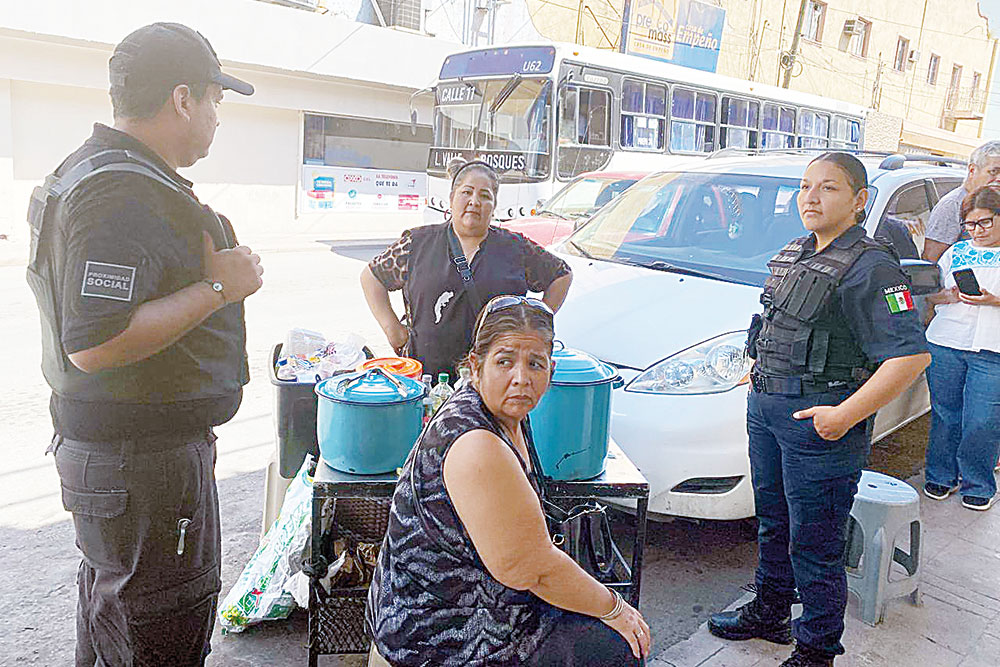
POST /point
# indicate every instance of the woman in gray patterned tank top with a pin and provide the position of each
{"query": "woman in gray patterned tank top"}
(467, 574)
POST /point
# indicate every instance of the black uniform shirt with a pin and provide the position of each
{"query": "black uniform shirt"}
(880, 321)
(438, 307)
(130, 240)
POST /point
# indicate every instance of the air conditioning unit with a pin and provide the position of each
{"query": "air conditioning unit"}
(914, 56)
(854, 27)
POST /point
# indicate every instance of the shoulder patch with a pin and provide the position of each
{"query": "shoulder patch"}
(108, 281)
(898, 298)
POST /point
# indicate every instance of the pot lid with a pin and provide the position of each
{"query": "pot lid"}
(576, 367)
(370, 387)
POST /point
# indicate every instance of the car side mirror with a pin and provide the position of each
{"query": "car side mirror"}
(924, 277)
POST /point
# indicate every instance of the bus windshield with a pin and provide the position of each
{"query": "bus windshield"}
(502, 121)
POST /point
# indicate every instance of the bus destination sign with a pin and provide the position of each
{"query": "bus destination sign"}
(528, 60)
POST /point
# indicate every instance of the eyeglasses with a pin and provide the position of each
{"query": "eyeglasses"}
(985, 223)
(509, 301)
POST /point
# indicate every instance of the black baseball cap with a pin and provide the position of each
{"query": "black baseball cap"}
(167, 55)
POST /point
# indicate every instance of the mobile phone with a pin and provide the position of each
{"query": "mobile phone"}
(967, 283)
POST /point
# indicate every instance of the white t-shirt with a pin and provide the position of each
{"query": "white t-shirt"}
(960, 325)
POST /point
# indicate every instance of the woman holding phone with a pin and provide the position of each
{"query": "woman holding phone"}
(964, 375)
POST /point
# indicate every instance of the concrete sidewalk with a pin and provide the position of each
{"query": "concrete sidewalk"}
(957, 624)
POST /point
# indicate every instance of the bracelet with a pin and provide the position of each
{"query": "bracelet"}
(617, 610)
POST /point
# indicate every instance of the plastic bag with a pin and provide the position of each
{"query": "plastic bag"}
(260, 592)
(302, 342)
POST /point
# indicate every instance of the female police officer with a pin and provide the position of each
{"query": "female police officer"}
(836, 308)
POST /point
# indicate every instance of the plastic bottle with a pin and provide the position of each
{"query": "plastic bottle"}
(428, 399)
(441, 391)
(464, 377)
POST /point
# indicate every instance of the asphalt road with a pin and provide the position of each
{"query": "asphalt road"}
(691, 568)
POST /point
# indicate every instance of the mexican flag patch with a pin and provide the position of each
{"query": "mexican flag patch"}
(898, 298)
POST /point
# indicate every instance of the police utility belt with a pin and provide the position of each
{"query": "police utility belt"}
(797, 386)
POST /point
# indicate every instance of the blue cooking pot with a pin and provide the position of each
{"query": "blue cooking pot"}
(367, 422)
(571, 423)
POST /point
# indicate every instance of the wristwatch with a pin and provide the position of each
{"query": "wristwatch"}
(216, 287)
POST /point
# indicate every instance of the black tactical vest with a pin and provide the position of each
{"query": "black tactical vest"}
(45, 276)
(802, 334)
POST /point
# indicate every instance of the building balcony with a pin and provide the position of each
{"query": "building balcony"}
(965, 103)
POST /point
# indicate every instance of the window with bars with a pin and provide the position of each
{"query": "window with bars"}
(692, 121)
(814, 129)
(779, 126)
(644, 115)
(740, 123)
(402, 13)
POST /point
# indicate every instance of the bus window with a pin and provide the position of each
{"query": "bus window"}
(814, 128)
(584, 130)
(740, 120)
(644, 111)
(692, 121)
(779, 126)
(845, 133)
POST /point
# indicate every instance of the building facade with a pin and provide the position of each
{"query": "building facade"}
(328, 128)
(928, 63)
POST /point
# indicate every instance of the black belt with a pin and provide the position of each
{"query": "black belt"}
(796, 386)
(140, 445)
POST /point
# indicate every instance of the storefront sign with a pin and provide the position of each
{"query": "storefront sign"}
(341, 188)
(683, 32)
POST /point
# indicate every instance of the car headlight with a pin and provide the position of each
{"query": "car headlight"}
(711, 367)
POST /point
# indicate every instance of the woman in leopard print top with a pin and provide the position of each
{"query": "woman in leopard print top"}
(440, 306)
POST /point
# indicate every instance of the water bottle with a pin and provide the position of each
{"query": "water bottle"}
(464, 377)
(441, 391)
(428, 400)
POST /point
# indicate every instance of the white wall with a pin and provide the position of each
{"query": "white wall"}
(54, 56)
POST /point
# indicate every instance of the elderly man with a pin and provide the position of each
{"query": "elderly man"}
(141, 288)
(945, 225)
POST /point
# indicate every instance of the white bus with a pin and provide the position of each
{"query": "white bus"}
(543, 114)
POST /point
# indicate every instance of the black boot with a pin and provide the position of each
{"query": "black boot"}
(803, 656)
(770, 620)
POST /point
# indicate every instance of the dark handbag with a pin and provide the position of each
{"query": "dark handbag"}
(583, 532)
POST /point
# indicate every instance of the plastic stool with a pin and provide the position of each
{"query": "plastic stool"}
(884, 508)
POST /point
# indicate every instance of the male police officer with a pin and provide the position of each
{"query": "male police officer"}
(141, 292)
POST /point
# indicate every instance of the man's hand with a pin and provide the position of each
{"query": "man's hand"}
(830, 421)
(238, 269)
(398, 336)
(986, 299)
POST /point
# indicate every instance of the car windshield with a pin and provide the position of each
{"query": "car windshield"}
(724, 226)
(583, 196)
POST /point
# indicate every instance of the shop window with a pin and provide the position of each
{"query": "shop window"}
(362, 143)
(644, 115)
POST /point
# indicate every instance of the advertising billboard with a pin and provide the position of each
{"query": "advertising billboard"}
(682, 32)
(349, 189)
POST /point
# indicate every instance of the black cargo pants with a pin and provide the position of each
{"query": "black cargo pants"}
(146, 515)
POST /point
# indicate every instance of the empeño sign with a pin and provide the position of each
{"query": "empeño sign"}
(683, 32)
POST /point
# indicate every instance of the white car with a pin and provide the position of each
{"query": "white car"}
(665, 281)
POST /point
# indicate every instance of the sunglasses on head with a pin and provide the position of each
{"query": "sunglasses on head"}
(509, 301)
(984, 223)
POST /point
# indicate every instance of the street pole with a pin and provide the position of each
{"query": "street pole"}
(626, 17)
(795, 44)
